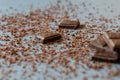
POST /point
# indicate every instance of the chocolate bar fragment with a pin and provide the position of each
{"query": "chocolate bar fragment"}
(49, 37)
(113, 35)
(112, 40)
(70, 24)
(102, 50)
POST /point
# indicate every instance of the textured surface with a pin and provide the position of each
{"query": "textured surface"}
(97, 15)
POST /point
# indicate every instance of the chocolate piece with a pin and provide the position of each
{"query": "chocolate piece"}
(116, 42)
(113, 35)
(112, 43)
(102, 50)
(71, 24)
(49, 37)
(100, 41)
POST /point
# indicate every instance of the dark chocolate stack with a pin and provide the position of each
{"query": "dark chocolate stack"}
(107, 46)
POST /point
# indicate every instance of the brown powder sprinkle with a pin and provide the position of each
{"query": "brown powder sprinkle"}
(69, 58)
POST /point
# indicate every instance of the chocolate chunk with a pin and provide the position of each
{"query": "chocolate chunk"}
(112, 40)
(71, 24)
(49, 37)
(113, 35)
(116, 42)
(102, 50)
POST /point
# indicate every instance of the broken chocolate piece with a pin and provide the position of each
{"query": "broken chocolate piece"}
(116, 42)
(113, 35)
(71, 24)
(112, 42)
(102, 50)
(100, 41)
(49, 37)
